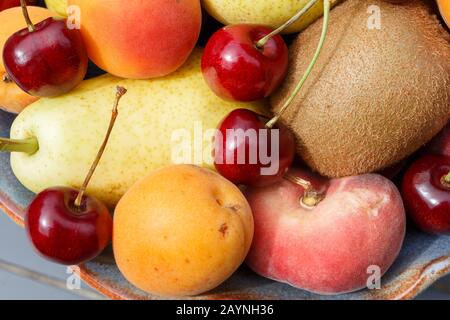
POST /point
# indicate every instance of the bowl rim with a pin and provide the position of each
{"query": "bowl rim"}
(428, 274)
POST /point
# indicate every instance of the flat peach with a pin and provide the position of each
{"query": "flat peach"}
(335, 247)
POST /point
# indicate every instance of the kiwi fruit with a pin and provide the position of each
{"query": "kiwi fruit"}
(376, 95)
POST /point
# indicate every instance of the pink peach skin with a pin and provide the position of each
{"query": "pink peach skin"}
(441, 143)
(327, 249)
(139, 39)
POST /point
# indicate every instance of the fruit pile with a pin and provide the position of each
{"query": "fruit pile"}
(286, 157)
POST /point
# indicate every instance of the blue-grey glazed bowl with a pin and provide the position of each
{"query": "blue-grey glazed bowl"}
(423, 259)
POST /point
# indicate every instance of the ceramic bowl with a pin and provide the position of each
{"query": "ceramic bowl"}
(422, 261)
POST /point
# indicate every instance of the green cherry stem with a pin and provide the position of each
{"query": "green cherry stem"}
(115, 112)
(30, 145)
(326, 16)
(262, 42)
(30, 25)
(311, 198)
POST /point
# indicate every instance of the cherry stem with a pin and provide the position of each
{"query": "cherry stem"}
(311, 197)
(263, 41)
(30, 145)
(326, 14)
(119, 94)
(30, 24)
(6, 78)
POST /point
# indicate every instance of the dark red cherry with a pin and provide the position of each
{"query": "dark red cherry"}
(47, 61)
(426, 193)
(247, 152)
(6, 4)
(64, 233)
(236, 69)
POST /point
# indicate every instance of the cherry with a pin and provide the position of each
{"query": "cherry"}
(245, 149)
(6, 4)
(235, 68)
(65, 233)
(65, 225)
(247, 62)
(250, 149)
(46, 59)
(426, 193)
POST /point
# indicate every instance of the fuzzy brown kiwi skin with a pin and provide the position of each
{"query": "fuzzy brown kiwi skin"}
(374, 96)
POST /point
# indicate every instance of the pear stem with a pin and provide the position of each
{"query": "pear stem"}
(119, 94)
(326, 14)
(30, 24)
(311, 197)
(263, 41)
(30, 145)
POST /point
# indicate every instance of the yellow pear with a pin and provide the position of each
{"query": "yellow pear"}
(272, 13)
(157, 118)
(58, 6)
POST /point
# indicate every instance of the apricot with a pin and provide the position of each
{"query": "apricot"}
(181, 231)
(444, 7)
(12, 98)
(139, 39)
